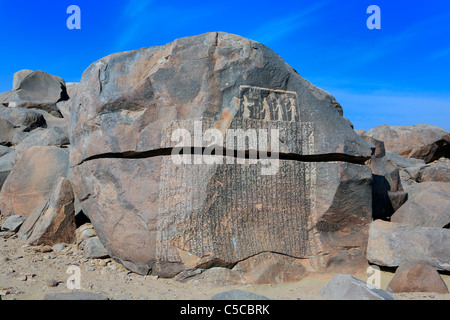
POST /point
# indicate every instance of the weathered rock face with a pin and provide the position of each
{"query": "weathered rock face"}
(36, 89)
(6, 165)
(418, 141)
(32, 179)
(434, 173)
(428, 206)
(53, 221)
(48, 137)
(417, 277)
(22, 117)
(6, 132)
(391, 244)
(347, 287)
(150, 212)
(387, 190)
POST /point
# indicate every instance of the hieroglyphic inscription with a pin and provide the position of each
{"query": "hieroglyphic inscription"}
(230, 210)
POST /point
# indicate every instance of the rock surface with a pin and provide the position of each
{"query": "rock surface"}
(414, 141)
(149, 212)
(417, 277)
(7, 162)
(48, 137)
(22, 117)
(32, 179)
(387, 190)
(347, 287)
(36, 89)
(94, 249)
(54, 220)
(13, 223)
(391, 244)
(428, 206)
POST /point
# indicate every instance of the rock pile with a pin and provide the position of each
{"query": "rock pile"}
(103, 148)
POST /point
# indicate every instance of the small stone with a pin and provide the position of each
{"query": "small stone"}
(100, 263)
(42, 249)
(22, 278)
(17, 257)
(30, 277)
(13, 223)
(89, 268)
(52, 283)
(49, 256)
(59, 247)
(113, 266)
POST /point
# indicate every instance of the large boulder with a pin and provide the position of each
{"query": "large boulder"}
(420, 141)
(18, 78)
(150, 211)
(428, 205)
(434, 173)
(53, 221)
(32, 179)
(47, 137)
(391, 244)
(387, 191)
(23, 118)
(36, 89)
(417, 277)
(347, 287)
(7, 162)
(7, 132)
(64, 106)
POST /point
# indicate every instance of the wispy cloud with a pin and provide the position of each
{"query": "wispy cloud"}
(440, 54)
(277, 28)
(364, 52)
(367, 110)
(135, 7)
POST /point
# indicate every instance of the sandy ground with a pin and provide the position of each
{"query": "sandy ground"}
(29, 275)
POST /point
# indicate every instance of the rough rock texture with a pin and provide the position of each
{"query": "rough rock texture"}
(18, 78)
(54, 220)
(94, 249)
(22, 117)
(48, 137)
(391, 244)
(387, 190)
(6, 132)
(37, 89)
(7, 162)
(64, 106)
(420, 141)
(434, 173)
(347, 287)
(32, 179)
(402, 162)
(150, 212)
(268, 268)
(428, 206)
(13, 223)
(417, 277)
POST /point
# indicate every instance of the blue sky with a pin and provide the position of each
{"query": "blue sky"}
(396, 75)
